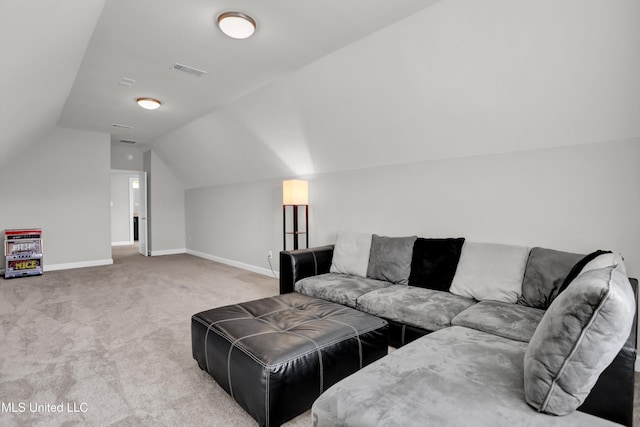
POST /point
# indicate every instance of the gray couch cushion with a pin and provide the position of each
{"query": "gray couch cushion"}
(390, 258)
(452, 377)
(423, 308)
(512, 321)
(578, 337)
(351, 253)
(546, 270)
(341, 288)
(595, 260)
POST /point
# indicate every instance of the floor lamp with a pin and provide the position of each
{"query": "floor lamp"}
(295, 193)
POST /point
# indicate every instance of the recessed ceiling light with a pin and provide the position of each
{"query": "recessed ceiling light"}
(148, 103)
(236, 25)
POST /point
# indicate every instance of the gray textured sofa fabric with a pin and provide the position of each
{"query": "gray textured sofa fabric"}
(390, 258)
(423, 308)
(475, 360)
(337, 287)
(545, 272)
(578, 337)
(453, 377)
(507, 320)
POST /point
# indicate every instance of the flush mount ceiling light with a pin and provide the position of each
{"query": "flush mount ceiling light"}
(148, 103)
(236, 25)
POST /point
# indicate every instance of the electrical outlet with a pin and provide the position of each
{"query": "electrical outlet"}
(269, 254)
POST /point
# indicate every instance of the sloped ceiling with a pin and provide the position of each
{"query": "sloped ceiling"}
(460, 78)
(322, 86)
(141, 40)
(42, 44)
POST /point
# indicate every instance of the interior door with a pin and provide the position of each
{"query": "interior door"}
(143, 230)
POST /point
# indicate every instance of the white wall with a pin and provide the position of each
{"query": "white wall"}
(578, 198)
(62, 184)
(165, 209)
(126, 157)
(120, 209)
(237, 224)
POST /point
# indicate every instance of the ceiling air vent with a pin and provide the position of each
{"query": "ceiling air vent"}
(126, 82)
(116, 125)
(128, 141)
(188, 70)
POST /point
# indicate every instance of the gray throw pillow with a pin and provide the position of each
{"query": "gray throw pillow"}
(390, 258)
(546, 270)
(351, 253)
(577, 338)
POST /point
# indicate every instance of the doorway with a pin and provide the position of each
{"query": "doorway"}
(129, 209)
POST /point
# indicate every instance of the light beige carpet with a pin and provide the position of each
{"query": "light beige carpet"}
(112, 345)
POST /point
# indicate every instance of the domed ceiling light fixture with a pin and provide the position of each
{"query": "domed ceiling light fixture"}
(236, 25)
(148, 103)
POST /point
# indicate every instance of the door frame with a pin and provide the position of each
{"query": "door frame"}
(141, 177)
(143, 216)
(132, 178)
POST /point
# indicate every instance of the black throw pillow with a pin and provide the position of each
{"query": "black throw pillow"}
(575, 271)
(434, 262)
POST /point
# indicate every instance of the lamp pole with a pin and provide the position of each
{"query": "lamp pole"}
(295, 193)
(295, 227)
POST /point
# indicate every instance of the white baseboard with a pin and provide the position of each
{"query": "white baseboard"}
(127, 243)
(169, 252)
(249, 267)
(81, 264)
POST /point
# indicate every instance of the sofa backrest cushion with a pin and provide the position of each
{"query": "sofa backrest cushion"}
(577, 338)
(390, 259)
(434, 262)
(546, 270)
(351, 253)
(593, 261)
(605, 259)
(490, 271)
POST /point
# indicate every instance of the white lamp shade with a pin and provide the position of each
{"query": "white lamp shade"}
(295, 192)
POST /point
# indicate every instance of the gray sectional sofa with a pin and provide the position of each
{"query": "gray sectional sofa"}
(490, 334)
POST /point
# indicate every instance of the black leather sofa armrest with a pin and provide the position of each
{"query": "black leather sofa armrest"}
(301, 263)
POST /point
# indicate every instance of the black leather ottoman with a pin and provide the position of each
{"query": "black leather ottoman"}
(276, 355)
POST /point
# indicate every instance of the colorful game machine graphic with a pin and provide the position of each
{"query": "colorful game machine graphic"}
(23, 252)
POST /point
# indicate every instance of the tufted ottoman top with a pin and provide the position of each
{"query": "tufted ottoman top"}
(276, 355)
(278, 329)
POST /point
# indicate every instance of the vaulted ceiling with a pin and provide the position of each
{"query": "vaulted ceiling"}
(42, 45)
(142, 39)
(322, 86)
